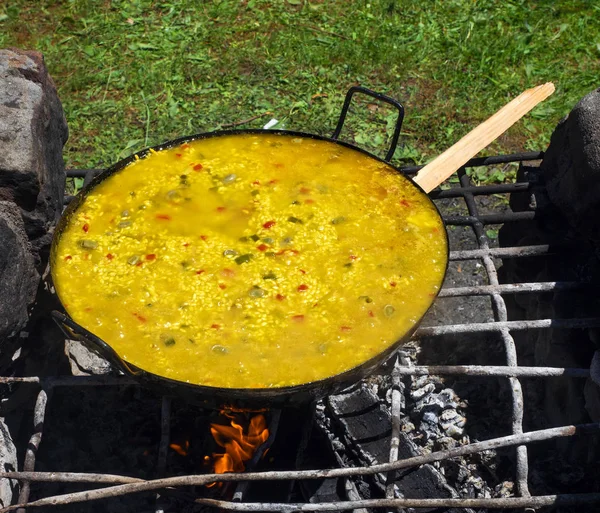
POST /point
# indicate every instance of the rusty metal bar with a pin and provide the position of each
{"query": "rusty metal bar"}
(163, 446)
(395, 412)
(70, 381)
(512, 252)
(508, 217)
(515, 288)
(500, 503)
(165, 435)
(489, 161)
(501, 315)
(197, 480)
(493, 370)
(39, 414)
(436, 331)
(481, 190)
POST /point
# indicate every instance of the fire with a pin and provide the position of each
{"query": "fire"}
(181, 449)
(239, 446)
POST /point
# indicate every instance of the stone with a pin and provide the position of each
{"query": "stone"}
(18, 278)
(565, 196)
(33, 131)
(9, 489)
(85, 362)
(571, 167)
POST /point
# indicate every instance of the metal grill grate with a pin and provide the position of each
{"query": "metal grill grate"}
(486, 255)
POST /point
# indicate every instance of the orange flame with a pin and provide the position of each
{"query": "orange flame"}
(239, 446)
(181, 449)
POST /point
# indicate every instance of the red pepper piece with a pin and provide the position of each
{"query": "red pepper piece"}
(139, 264)
(85, 227)
(178, 155)
(404, 203)
(352, 257)
(298, 318)
(393, 283)
(87, 309)
(280, 297)
(197, 167)
(302, 288)
(229, 273)
(278, 165)
(139, 317)
(221, 209)
(269, 224)
(345, 329)
(200, 271)
(222, 286)
(203, 237)
(186, 244)
(164, 217)
(302, 271)
(68, 257)
(215, 326)
(184, 146)
(151, 257)
(273, 182)
(255, 182)
(304, 190)
(309, 201)
(371, 314)
(262, 247)
(110, 256)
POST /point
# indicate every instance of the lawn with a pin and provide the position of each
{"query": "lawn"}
(136, 73)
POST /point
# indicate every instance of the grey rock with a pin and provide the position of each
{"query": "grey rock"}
(18, 278)
(8, 462)
(571, 166)
(85, 362)
(33, 131)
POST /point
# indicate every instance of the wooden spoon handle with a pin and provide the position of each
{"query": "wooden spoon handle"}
(434, 173)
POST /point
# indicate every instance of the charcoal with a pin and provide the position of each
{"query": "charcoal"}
(425, 483)
(326, 492)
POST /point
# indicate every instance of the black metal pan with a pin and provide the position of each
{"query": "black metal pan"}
(215, 397)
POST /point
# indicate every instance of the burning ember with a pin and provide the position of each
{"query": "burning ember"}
(239, 446)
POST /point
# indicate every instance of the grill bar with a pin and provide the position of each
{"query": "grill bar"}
(502, 326)
(493, 370)
(198, 480)
(500, 314)
(39, 414)
(433, 331)
(517, 288)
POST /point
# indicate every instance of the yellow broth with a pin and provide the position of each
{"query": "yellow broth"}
(251, 261)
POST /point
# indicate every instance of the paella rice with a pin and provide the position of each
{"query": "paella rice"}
(251, 261)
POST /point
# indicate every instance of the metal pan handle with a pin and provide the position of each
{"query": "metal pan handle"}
(377, 96)
(76, 332)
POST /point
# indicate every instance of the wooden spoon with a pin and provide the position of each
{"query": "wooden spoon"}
(434, 173)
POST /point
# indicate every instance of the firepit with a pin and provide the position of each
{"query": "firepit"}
(444, 414)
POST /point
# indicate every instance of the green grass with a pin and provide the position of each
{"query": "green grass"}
(137, 73)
